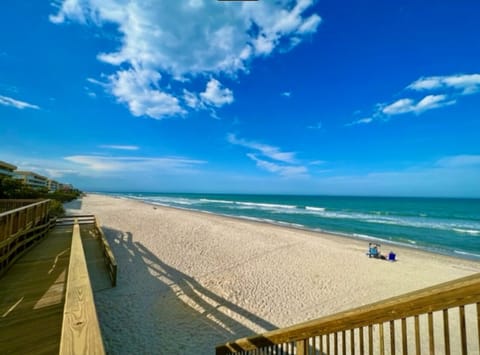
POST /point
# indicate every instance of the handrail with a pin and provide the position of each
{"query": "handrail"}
(20, 229)
(33, 203)
(456, 293)
(80, 327)
(10, 204)
(110, 260)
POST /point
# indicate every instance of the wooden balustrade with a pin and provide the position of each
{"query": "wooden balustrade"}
(11, 204)
(424, 321)
(107, 253)
(21, 228)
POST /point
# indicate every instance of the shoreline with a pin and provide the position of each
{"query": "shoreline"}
(315, 232)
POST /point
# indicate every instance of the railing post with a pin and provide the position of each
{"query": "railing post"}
(302, 347)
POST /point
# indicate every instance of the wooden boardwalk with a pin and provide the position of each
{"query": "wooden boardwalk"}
(32, 296)
(32, 292)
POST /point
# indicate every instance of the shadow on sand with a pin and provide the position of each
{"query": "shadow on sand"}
(156, 308)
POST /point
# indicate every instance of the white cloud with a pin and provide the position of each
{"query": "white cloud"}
(187, 39)
(139, 90)
(118, 164)
(8, 101)
(317, 125)
(365, 120)
(286, 93)
(460, 161)
(119, 147)
(466, 83)
(282, 170)
(268, 151)
(216, 95)
(451, 87)
(429, 102)
(282, 163)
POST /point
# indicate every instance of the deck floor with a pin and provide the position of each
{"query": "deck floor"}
(32, 292)
(32, 295)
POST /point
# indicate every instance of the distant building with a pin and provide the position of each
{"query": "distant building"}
(65, 187)
(7, 169)
(53, 185)
(32, 179)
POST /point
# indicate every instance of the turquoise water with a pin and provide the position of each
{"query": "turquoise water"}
(446, 226)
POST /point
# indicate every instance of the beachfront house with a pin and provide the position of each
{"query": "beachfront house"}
(7, 169)
(32, 179)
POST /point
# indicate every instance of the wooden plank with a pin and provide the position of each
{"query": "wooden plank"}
(404, 337)
(431, 338)
(352, 341)
(478, 323)
(382, 339)
(32, 298)
(328, 343)
(463, 330)
(335, 344)
(370, 339)
(446, 332)
(302, 347)
(362, 347)
(80, 330)
(417, 335)
(392, 337)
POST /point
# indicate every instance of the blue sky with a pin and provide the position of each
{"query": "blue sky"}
(307, 97)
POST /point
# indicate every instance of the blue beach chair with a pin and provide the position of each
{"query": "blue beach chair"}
(373, 250)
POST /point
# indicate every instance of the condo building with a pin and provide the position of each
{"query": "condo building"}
(32, 179)
(7, 169)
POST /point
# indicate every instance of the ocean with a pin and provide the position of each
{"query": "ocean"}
(439, 225)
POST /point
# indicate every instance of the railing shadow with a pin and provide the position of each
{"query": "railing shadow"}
(156, 308)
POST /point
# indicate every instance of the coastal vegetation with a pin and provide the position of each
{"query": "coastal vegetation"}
(14, 189)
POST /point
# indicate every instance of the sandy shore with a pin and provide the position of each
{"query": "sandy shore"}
(189, 280)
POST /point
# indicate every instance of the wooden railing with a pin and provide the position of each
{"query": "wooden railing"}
(108, 254)
(425, 321)
(20, 229)
(11, 204)
(80, 327)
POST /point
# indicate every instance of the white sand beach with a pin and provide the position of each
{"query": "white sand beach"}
(188, 281)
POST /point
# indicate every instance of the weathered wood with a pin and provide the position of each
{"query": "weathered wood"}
(352, 341)
(417, 335)
(370, 339)
(447, 295)
(463, 329)
(80, 329)
(478, 324)
(109, 257)
(20, 228)
(431, 337)
(382, 339)
(32, 297)
(362, 348)
(446, 332)
(404, 337)
(392, 337)
(302, 347)
(335, 343)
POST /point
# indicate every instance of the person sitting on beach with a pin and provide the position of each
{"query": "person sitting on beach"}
(373, 250)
